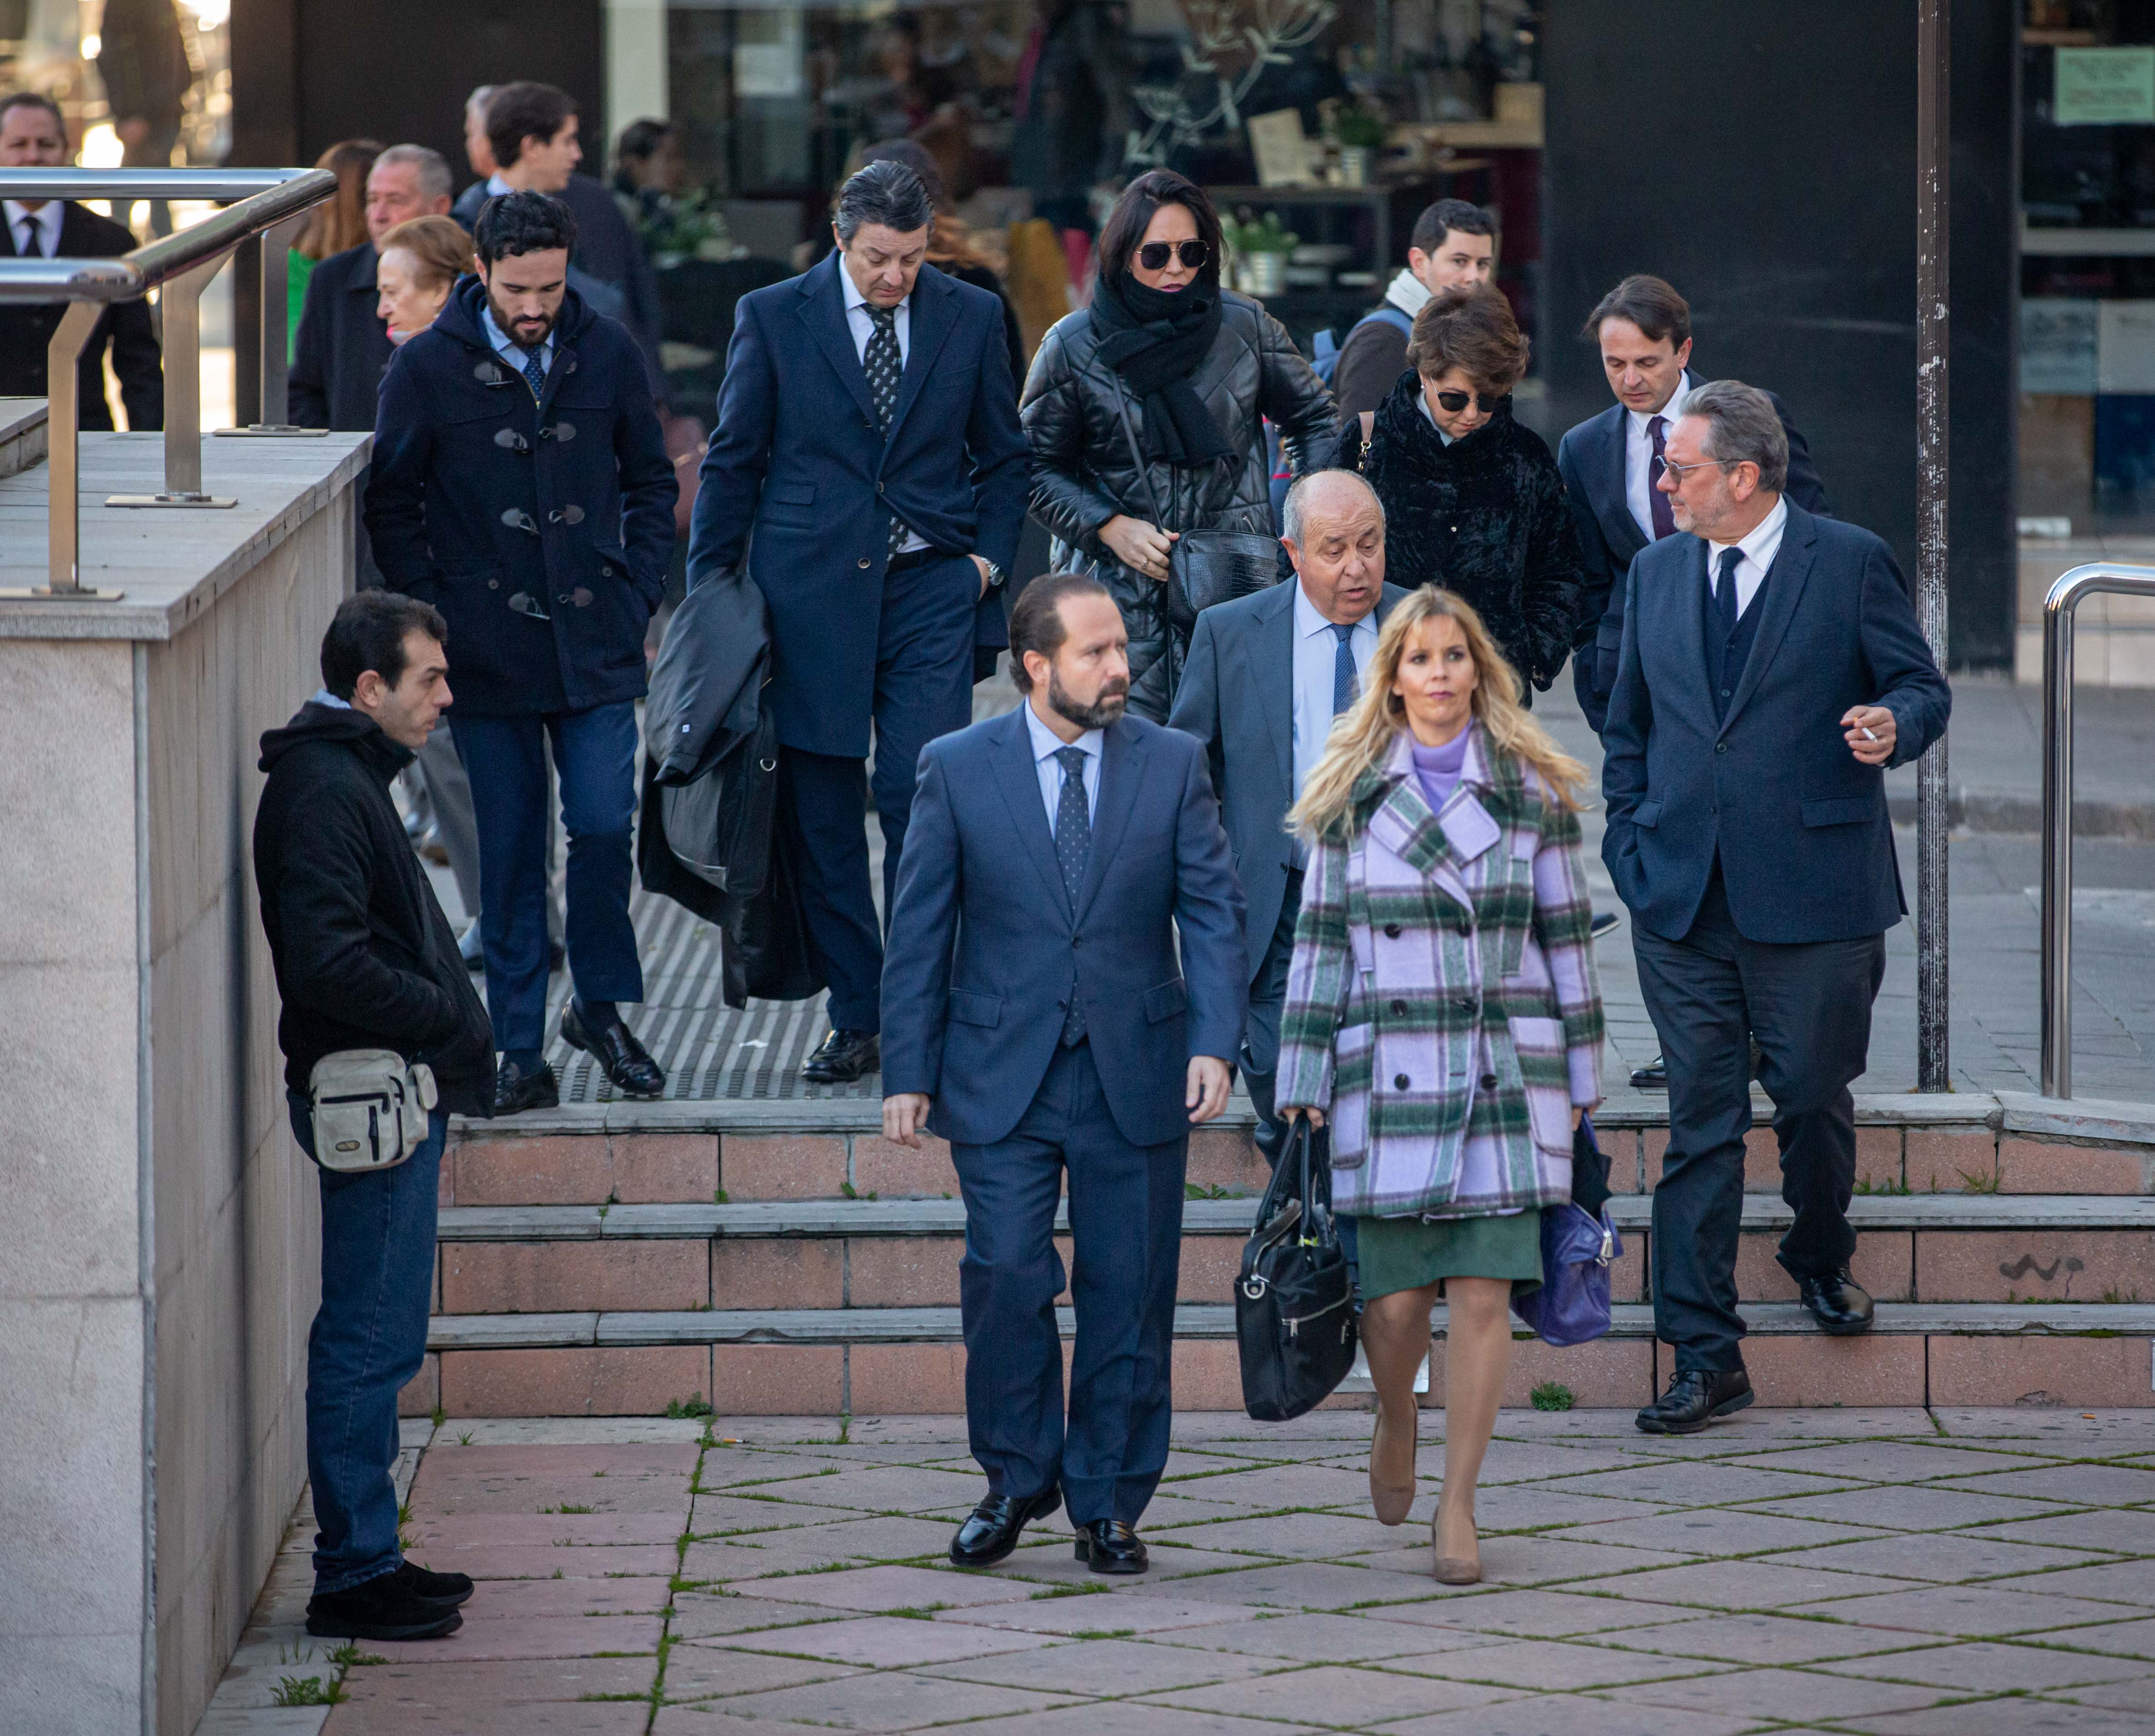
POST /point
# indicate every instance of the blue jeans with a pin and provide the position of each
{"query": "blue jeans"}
(369, 1339)
(506, 758)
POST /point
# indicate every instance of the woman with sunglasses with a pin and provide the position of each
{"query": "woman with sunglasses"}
(1474, 502)
(1144, 411)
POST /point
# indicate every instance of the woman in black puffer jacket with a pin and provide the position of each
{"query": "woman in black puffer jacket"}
(1472, 501)
(1194, 368)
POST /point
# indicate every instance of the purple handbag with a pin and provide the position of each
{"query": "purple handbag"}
(1572, 1305)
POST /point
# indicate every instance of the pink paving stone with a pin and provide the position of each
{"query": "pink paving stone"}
(477, 1719)
(518, 1599)
(542, 1561)
(886, 1588)
(1107, 1614)
(544, 1529)
(445, 1458)
(886, 1641)
(521, 1683)
(444, 1498)
(530, 1636)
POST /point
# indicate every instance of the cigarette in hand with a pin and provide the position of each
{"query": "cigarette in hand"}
(1868, 734)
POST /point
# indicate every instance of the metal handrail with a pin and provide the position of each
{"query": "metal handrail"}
(2061, 606)
(182, 265)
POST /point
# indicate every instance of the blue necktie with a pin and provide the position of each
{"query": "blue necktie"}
(1724, 593)
(1344, 678)
(1073, 849)
(535, 373)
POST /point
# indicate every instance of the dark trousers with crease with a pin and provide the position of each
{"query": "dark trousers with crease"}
(1126, 1228)
(1809, 1005)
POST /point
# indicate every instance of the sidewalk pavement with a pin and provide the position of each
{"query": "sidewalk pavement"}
(1869, 1572)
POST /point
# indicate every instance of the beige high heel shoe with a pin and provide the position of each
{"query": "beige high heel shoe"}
(1390, 1500)
(1452, 1570)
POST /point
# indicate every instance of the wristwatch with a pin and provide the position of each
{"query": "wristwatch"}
(994, 572)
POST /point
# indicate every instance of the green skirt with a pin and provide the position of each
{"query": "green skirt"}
(1405, 1253)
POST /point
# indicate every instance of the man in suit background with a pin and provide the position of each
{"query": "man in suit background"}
(1267, 674)
(32, 135)
(1036, 1015)
(868, 443)
(1772, 667)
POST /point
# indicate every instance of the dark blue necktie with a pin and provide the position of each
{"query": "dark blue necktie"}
(1724, 593)
(535, 373)
(1073, 849)
(1343, 670)
(1657, 503)
(886, 371)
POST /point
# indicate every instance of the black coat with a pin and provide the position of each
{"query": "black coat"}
(364, 956)
(26, 328)
(342, 348)
(1485, 517)
(542, 529)
(1083, 473)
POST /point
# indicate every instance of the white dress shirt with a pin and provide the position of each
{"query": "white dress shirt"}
(1316, 653)
(47, 217)
(509, 350)
(1429, 416)
(1759, 549)
(861, 324)
(1639, 452)
(1046, 745)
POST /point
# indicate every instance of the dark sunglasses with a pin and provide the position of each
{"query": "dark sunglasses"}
(1455, 402)
(1154, 255)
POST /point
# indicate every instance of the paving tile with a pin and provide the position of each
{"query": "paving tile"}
(1127, 1667)
(553, 1494)
(1781, 1694)
(1109, 1615)
(1762, 1585)
(2124, 1639)
(524, 1681)
(549, 1718)
(536, 1637)
(2131, 1582)
(1890, 1461)
(1515, 1560)
(2136, 1695)
(709, 1718)
(542, 1561)
(1947, 1556)
(1759, 1639)
(733, 1515)
(449, 1458)
(572, 1431)
(2071, 1430)
(1335, 1694)
(1305, 1585)
(1716, 1531)
(429, 1532)
(1540, 1615)
(1302, 1536)
(1050, 1560)
(1566, 1715)
(2129, 1533)
(889, 1641)
(1121, 1717)
(1561, 1665)
(1315, 1636)
(1973, 1610)
(2082, 1485)
(1269, 1488)
(890, 1700)
(703, 1615)
(220, 1720)
(2013, 1716)
(1930, 1507)
(1539, 1506)
(804, 1547)
(702, 1672)
(1991, 1666)
(1700, 1483)
(901, 1488)
(519, 1600)
(877, 1588)
(764, 1469)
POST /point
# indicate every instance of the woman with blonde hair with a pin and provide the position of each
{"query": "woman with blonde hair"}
(421, 261)
(1442, 1014)
(338, 222)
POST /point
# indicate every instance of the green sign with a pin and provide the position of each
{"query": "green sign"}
(2105, 87)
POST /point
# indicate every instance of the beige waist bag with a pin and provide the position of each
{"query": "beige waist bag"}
(370, 1108)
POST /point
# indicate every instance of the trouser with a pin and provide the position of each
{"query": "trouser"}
(368, 1340)
(1126, 1227)
(1809, 1006)
(923, 688)
(445, 800)
(594, 753)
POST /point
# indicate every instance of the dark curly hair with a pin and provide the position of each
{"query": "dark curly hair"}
(524, 222)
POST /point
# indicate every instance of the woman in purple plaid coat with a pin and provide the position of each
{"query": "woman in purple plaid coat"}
(1442, 1013)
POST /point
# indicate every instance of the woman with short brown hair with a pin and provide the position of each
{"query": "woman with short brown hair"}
(421, 261)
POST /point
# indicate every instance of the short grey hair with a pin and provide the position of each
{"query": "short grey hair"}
(883, 193)
(476, 103)
(1742, 426)
(1297, 499)
(430, 167)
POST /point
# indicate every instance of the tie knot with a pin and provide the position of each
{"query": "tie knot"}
(1342, 633)
(884, 317)
(1072, 760)
(1731, 558)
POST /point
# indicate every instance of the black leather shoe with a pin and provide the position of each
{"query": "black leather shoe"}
(994, 1527)
(516, 1090)
(624, 1060)
(381, 1609)
(1841, 1305)
(845, 1055)
(1695, 1397)
(1654, 1075)
(446, 1588)
(1605, 923)
(1110, 1546)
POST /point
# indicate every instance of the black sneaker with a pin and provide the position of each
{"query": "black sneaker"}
(449, 1589)
(383, 1608)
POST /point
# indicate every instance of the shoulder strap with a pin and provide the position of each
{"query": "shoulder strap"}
(1137, 458)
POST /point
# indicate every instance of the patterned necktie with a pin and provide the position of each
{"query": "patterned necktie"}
(31, 250)
(885, 368)
(1073, 848)
(1343, 670)
(535, 373)
(1724, 593)
(1657, 503)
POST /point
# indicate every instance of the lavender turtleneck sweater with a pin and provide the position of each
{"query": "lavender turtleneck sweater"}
(1438, 768)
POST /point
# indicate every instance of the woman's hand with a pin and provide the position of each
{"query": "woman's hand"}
(1295, 1111)
(1578, 1115)
(1141, 547)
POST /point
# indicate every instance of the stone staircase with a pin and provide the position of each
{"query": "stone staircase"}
(782, 1257)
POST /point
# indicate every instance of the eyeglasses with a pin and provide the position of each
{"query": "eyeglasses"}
(1679, 471)
(1455, 402)
(1154, 255)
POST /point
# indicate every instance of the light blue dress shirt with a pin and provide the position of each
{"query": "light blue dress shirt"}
(1046, 745)
(1316, 651)
(508, 349)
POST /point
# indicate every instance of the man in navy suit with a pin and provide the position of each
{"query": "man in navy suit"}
(1771, 668)
(869, 466)
(1036, 1015)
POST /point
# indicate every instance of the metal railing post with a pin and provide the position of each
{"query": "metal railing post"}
(63, 450)
(183, 471)
(275, 328)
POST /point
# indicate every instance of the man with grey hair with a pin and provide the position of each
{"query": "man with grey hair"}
(1771, 668)
(1267, 674)
(868, 467)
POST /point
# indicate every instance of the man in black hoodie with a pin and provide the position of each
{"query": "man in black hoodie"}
(366, 958)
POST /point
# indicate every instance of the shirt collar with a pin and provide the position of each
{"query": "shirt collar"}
(47, 217)
(496, 186)
(1669, 412)
(851, 291)
(1764, 536)
(1309, 622)
(1429, 416)
(1045, 742)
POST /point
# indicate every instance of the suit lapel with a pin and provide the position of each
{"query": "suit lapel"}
(823, 310)
(1018, 778)
(934, 315)
(1121, 765)
(1265, 651)
(1615, 510)
(1687, 631)
(1784, 589)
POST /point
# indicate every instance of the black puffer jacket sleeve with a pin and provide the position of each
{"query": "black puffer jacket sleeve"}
(1556, 569)
(1065, 498)
(1296, 401)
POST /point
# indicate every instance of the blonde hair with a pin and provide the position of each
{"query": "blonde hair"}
(441, 247)
(1362, 736)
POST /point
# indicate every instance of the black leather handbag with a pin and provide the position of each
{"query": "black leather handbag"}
(1294, 1306)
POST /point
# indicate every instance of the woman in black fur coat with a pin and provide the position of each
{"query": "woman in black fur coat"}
(1472, 501)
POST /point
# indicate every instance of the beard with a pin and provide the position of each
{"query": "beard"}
(521, 335)
(1107, 708)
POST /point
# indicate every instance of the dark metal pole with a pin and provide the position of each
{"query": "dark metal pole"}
(1933, 290)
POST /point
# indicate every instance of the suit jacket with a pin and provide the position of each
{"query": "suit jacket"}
(1237, 697)
(1799, 824)
(801, 483)
(1591, 458)
(985, 949)
(342, 346)
(26, 328)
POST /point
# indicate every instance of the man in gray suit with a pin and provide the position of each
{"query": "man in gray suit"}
(1266, 675)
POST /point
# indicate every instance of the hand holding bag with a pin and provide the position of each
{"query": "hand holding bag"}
(370, 1108)
(1294, 1312)
(1578, 1246)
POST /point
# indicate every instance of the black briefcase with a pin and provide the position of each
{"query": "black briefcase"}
(1294, 1306)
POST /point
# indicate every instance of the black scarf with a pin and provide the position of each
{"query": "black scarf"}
(1155, 339)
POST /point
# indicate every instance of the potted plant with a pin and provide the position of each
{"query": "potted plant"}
(1360, 129)
(1261, 250)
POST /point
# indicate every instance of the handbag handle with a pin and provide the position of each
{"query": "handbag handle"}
(1137, 458)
